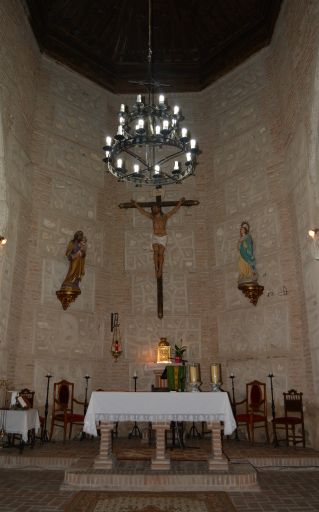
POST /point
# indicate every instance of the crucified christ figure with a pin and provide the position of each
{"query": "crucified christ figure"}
(159, 238)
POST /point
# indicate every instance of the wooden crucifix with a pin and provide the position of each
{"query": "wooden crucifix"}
(159, 238)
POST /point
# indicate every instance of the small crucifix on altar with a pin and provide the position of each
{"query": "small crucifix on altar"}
(159, 237)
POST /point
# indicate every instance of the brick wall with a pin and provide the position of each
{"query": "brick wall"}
(257, 132)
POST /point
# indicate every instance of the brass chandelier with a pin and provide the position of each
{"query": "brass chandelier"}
(151, 146)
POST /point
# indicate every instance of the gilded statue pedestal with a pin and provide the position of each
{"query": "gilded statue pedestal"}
(67, 295)
(252, 291)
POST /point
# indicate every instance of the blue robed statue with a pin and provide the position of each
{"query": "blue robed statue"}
(247, 262)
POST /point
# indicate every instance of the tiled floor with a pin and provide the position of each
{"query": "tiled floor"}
(34, 490)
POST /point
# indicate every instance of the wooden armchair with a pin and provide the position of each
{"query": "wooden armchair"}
(28, 396)
(63, 403)
(256, 409)
(293, 417)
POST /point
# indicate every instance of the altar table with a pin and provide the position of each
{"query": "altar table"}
(160, 409)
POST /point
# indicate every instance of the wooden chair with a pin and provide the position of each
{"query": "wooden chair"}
(28, 396)
(63, 403)
(293, 417)
(256, 409)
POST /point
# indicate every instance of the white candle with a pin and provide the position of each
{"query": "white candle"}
(161, 99)
(193, 374)
(157, 169)
(108, 141)
(120, 130)
(188, 157)
(122, 109)
(119, 163)
(139, 98)
(121, 120)
(184, 132)
(176, 110)
(141, 123)
(165, 124)
(193, 143)
(215, 373)
(157, 129)
(136, 168)
(176, 165)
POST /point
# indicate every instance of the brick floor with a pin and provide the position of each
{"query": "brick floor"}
(282, 491)
(34, 490)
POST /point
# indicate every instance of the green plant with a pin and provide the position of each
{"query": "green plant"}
(179, 351)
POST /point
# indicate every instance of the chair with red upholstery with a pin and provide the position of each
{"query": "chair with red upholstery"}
(63, 408)
(255, 415)
(293, 418)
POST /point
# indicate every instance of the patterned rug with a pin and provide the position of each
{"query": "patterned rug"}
(101, 501)
(147, 453)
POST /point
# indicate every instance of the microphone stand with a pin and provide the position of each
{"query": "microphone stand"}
(135, 432)
(273, 410)
(44, 433)
(232, 377)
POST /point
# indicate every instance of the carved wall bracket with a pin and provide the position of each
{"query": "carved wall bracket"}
(67, 295)
(252, 291)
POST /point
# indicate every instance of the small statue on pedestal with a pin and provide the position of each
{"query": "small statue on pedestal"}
(248, 277)
(76, 253)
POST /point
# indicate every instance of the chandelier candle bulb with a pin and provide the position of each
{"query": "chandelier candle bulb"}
(121, 120)
(141, 123)
(184, 132)
(193, 143)
(165, 124)
(157, 169)
(108, 141)
(136, 168)
(188, 157)
(119, 163)
(176, 165)
(120, 130)
(176, 110)
(139, 98)
(161, 99)
(122, 109)
(157, 129)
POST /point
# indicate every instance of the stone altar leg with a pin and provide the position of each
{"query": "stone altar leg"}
(105, 459)
(217, 459)
(160, 461)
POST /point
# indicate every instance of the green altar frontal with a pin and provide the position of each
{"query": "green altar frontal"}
(176, 377)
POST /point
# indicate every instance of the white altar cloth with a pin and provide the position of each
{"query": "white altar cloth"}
(20, 421)
(158, 407)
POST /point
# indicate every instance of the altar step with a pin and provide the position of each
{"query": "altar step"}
(183, 476)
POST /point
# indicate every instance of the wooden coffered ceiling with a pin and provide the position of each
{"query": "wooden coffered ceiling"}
(194, 42)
